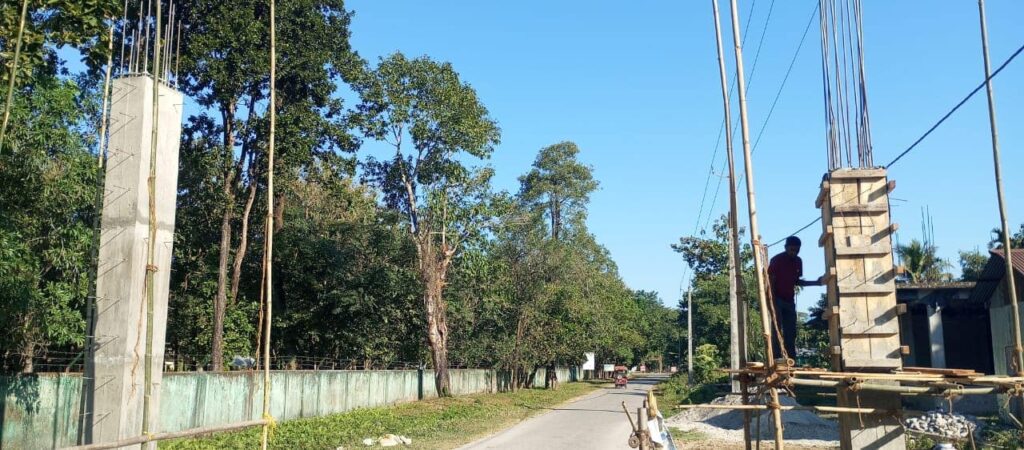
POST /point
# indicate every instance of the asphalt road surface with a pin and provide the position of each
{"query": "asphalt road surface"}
(595, 421)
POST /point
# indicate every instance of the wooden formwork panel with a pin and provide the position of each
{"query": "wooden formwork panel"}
(862, 313)
(856, 236)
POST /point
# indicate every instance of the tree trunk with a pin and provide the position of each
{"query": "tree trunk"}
(279, 213)
(437, 328)
(28, 353)
(220, 303)
(243, 243)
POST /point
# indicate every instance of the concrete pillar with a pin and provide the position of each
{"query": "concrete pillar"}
(938, 344)
(116, 372)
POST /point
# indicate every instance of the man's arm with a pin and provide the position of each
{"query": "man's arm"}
(802, 283)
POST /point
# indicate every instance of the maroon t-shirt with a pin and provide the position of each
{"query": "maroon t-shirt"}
(785, 272)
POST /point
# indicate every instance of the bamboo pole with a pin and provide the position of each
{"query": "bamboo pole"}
(737, 309)
(170, 435)
(90, 310)
(1011, 285)
(830, 409)
(897, 389)
(737, 332)
(269, 232)
(13, 73)
(151, 267)
(755, 235)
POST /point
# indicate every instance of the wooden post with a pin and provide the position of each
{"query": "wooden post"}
(861, 292)
(1011, 285)
(755, 235)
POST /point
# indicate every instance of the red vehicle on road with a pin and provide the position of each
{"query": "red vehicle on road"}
(620, 377)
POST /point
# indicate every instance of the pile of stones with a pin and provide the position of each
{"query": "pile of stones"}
(941, 423)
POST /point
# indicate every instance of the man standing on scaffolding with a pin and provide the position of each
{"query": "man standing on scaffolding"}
(785, 273)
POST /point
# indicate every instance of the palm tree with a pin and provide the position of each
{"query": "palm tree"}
(921, 262)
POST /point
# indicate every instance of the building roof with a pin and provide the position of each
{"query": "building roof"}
(936, 285)
(994, 271)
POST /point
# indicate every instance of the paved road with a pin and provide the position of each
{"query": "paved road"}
(593, 422)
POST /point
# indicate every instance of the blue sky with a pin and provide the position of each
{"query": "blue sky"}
(636, 85)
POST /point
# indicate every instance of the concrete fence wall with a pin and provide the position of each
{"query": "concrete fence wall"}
(42, 411)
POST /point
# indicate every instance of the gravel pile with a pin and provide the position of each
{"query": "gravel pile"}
(943, 424)
(799, 427)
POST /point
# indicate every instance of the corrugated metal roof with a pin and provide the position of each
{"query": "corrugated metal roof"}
(1016, 258)
(993, 272)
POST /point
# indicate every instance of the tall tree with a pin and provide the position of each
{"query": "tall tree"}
(225, 69)
(559, 186)
(444, 200)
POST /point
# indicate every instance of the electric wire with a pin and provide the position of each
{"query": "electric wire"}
(771, 110)
(714, 154)
(929, 131)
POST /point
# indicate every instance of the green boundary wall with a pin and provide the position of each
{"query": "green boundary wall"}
(42, 410)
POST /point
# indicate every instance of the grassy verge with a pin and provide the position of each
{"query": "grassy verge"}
(677, 391)
(433, 423)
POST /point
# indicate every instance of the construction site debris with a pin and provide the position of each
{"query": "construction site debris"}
(943, 424)
(802, 428)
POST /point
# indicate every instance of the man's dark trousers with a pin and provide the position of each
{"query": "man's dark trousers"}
(785, 314)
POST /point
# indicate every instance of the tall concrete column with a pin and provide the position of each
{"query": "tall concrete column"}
(115, 374)
(935, 339)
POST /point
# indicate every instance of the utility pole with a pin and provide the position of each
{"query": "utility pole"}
(689, 337)
(1011, 288)
(737, 313)
(755, 235)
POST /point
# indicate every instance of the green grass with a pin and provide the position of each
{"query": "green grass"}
(433, 423)
(687, 436)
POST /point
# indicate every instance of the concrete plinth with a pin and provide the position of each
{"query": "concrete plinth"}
(115, 375)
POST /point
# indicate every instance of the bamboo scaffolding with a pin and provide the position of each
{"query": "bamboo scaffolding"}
(1011, 288)
(151, 267)
(269, 232)
(170, 435)
(755, 235)
(828, 409)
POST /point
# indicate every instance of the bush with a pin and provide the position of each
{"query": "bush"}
(707, 364)
(678, 391)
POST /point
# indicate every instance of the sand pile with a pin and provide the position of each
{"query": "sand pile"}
(799, 427)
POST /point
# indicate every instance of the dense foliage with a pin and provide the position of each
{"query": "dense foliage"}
(408, 257)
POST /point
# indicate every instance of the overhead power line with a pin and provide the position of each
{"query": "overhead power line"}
(771, 110)
(930, 130)
(955, 108)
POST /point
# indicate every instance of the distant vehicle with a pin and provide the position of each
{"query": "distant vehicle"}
(620, 377)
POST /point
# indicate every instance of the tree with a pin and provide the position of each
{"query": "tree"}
(50, 25)
(1016, 239)
(972, 263)
(922, 262)
(708, 258)
(444, 201)
(224, 66)
(559, 186)
(48, 179)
